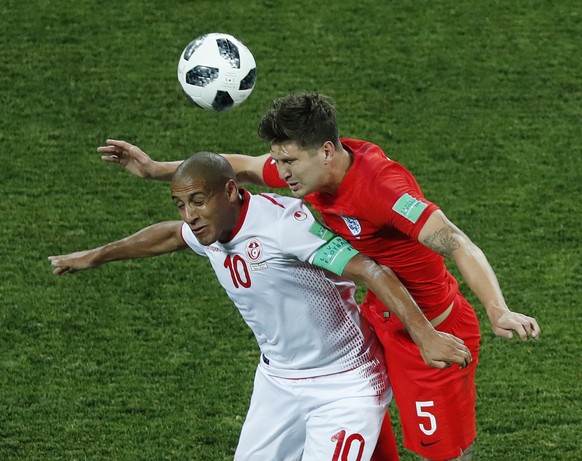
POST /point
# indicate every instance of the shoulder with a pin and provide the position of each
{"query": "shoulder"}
(361, 148)
(274, 202)
(190, 240)
(369, 159)
(372, 172)
(278, 210)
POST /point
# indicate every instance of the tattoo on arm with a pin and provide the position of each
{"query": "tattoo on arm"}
(443, 241)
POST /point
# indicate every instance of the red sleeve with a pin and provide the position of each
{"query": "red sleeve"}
(412, 229)
(399, 201)
(271, 176)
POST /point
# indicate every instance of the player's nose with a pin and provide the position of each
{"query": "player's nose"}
(190, 214)
(284, 172)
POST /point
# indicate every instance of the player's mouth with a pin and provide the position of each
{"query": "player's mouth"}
(293, 186)
(198, 230)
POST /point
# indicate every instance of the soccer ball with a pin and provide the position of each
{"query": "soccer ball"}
(217, 72)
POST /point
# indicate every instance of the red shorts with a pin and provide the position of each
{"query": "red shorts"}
(437, 407)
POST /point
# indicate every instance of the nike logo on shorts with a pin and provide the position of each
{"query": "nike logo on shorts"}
(428, 444)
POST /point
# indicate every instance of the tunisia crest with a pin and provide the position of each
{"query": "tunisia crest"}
(254, 250)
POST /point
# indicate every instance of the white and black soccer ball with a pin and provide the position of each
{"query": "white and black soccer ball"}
(217, 72)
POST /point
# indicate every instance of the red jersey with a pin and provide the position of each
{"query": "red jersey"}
(380, 209)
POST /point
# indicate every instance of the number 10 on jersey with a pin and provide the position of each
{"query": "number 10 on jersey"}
(239, 271)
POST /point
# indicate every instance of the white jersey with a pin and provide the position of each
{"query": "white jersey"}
(305, 319)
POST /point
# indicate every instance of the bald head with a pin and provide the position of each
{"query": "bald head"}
(208, 167)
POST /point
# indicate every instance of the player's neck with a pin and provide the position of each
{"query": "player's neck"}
(236, 217)
(343, 160)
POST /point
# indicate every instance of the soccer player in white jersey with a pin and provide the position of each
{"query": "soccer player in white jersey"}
(321, 389)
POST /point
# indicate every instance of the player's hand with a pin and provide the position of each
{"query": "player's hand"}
(441, 350)
(135, 160)
(506, 322)
(73, 262)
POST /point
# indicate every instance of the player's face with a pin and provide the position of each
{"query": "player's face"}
(211, 215)
(304, 171)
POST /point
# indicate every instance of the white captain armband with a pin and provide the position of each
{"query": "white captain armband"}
(334, 255)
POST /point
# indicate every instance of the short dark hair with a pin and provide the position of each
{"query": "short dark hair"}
(305, 118)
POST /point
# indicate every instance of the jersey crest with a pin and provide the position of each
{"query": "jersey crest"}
(353, 225)
(254, 250)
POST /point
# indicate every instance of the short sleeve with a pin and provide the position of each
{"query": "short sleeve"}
(305, 238)
(271, 176)
(397, 200)
(191, 241)
(295, 236)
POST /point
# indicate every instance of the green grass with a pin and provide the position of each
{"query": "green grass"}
(149, 360)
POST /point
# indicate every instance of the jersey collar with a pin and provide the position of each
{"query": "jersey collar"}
(246, 197)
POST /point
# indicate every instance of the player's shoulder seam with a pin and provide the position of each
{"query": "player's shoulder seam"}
(271, 200)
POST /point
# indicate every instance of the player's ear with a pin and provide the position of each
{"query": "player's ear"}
(231, 190)
(328, 149)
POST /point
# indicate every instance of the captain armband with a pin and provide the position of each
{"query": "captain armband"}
(334, 255)
(320, 231)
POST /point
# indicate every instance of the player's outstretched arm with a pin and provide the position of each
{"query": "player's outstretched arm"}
(443, 237)
(154, 240)
(136, 161)
(248, 169)
(438, 349)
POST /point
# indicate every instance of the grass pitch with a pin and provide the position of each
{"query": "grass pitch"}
(148, 359)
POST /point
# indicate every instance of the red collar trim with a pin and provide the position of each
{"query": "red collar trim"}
(246, 196)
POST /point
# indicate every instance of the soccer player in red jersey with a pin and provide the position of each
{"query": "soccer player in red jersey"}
(377, 205)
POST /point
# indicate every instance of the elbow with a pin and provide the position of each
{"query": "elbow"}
(377, 275)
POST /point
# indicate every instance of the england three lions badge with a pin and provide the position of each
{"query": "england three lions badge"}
(353, 225)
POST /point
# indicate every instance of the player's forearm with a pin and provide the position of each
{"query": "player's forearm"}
(154, 240)
(479, 276)
(162, 171)
(438, 349)
(442, 236)
(394, 295)
(248, 169)
(388, 288)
